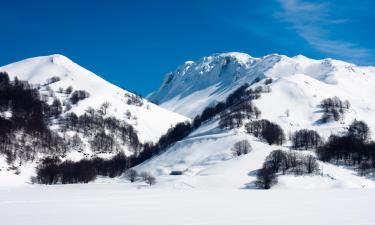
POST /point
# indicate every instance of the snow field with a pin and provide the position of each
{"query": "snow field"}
(98, 204)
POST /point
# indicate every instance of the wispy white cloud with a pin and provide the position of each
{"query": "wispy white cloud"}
(314, 23)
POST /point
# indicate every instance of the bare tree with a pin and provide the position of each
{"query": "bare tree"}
(148, 178)
(68, 90)
(311, 164)
(359, 130)
(287, 113)
(131, 175)
(151, 180)
(265, 178)
(241, 148)
(104, 108)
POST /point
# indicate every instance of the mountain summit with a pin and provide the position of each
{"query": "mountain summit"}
(196, 85)
(59, 72)
(52, 108)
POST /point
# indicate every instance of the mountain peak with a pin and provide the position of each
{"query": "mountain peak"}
(211, 78)
(241, 57)
(65, 73)
(58, 59)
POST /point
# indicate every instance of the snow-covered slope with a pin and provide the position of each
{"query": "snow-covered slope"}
(293, 102)
(207, 161)
(196, 85)
(298, 86)
(149, 120)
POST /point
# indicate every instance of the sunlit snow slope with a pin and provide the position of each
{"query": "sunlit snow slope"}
(298, 86)
(196, 85)
(150, 120)
(206, 159)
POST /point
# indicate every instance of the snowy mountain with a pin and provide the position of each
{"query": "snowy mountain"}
(39, 70)
(292, 90)
(84, 97)
(196, 85)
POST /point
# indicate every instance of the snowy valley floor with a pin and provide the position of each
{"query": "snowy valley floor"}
(115, 203)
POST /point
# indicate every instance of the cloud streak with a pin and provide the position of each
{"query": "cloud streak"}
(314, 23)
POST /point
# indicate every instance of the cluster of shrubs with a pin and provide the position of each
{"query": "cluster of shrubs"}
(134, 99)
(306, 139)
(268, 81)
(132, 176)
(354, 148)
(52, 80)
(266, 130)
(69, 90)
(78, 95)
(282, 162)
(334, 109)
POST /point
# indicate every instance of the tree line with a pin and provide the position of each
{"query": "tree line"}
(52, 170)
(354, 148)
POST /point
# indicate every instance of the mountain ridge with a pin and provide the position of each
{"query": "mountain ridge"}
(224, 72)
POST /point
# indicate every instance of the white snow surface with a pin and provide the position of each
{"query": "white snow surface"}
(196, 85)
(150, 120)
(113, 203)
(206, 159)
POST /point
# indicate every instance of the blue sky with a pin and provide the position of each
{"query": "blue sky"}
(134, 43)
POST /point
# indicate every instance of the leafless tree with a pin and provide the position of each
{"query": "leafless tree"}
(241, 148)
(131, 175)
(148, 178)
(311, 164)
